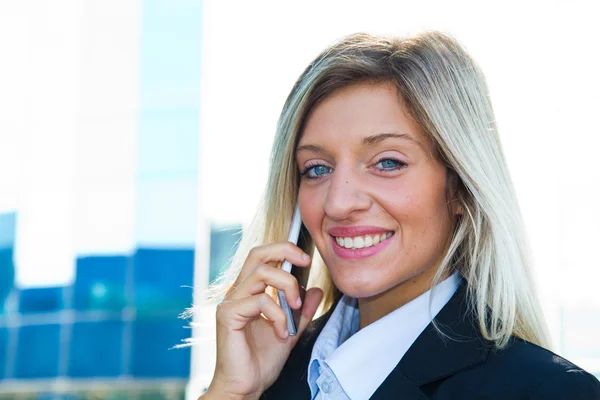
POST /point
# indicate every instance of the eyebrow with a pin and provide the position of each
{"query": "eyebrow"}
(369, 140)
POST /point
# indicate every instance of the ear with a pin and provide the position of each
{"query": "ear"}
(454, 186)
(457, 208)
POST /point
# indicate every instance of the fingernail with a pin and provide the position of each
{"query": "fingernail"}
(286, 333)
(305, 257)
(299, 302)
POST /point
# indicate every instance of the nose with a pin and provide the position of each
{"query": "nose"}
(346, 195)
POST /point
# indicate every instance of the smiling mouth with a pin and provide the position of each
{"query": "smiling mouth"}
(361, 242)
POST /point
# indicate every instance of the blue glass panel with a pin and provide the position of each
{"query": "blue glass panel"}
(159, 276)
(37, 300)
(8, 222)
(223, 244)
(7, 274)
(3, 350)
(37, 351)
(62, 396)
(153, 355)
(96, 349)
(100, 282)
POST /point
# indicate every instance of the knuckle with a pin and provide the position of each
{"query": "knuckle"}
(291, 282)
(262, 270)
(222, 310)
(291, 247)
(252, 252)
(264, 299)
(281, 315)
(224, 306)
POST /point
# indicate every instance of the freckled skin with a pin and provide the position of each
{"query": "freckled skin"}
(409, 201)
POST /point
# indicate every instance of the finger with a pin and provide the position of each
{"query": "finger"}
(312, 299)
(265, 275)
(274, 253)
(302, 293)
(277, 252)
(236, 314)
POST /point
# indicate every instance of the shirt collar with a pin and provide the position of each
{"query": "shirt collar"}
(342, 324)
(378, 347)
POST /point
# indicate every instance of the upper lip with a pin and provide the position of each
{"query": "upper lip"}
(349, 231)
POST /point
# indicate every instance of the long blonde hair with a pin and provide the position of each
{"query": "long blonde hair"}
(445, 92)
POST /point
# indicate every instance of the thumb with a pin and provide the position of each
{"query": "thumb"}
(312, 299)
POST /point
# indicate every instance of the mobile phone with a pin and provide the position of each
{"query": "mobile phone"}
(287, 266)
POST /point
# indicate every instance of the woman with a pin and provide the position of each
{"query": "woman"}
(420, 257)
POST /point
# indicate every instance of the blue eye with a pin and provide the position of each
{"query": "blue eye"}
(316, 171)
(389, 164)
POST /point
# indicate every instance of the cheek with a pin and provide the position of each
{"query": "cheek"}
(428, 213)
(311, 209)
(416, 203)
(402, 200)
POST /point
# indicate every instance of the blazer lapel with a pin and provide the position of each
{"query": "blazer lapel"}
(399, 388)
(434, 356)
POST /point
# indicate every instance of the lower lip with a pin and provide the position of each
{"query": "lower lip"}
(343, 252)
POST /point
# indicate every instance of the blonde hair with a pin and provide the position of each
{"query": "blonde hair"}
(445, 92)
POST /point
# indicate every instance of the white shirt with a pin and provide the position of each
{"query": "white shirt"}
(347, 363)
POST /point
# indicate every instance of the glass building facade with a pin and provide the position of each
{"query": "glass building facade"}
(97, 253)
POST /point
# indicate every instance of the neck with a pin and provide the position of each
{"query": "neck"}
(373, 308)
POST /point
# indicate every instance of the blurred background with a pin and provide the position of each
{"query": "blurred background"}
(134, 143)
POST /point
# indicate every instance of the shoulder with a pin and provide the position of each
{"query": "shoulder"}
(523, 356)
(573, 384)
(552, 376)
(524, 369)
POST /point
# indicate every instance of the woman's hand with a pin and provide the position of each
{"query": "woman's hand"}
(252, 339)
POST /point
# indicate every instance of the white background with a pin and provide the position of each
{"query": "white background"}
(540, 59)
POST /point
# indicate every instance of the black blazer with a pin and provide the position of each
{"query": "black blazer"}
(463, 367)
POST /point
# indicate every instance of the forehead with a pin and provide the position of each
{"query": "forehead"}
(358, 111)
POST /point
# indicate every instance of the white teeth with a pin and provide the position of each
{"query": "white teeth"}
(348, 242)
(359, 242)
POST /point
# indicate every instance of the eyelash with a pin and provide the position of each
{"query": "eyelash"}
(400, 165)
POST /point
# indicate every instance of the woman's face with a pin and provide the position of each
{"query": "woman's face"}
(372, 195)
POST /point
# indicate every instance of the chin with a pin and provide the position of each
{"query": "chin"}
(359, 288)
